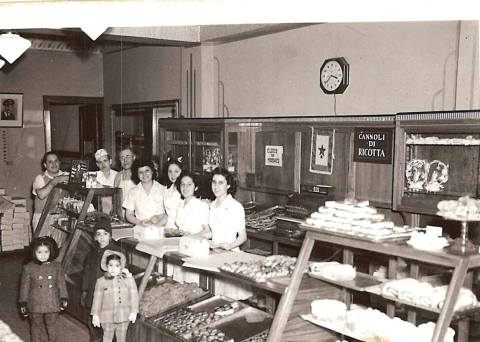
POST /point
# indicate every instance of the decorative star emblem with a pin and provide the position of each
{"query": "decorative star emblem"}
(321, 151)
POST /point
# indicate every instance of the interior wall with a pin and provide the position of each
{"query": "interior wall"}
(394, 67)
(143, 74)
(35, 74)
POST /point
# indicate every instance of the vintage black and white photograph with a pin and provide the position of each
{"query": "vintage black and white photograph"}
(12, 110)
(239, 171)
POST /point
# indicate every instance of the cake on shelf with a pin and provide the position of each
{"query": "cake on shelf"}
(328, 310)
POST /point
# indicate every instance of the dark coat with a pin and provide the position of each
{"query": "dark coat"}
(42, 286)
(92, 270)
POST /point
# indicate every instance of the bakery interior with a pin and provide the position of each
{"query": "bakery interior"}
(361, 200)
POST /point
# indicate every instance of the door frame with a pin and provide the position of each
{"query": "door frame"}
(50, 100)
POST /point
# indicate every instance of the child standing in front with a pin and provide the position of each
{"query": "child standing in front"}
(43, 291)
(102, 234)
(115, 300)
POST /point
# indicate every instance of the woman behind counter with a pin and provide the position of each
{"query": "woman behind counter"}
(192, 212)
(227, 216)
(144, 202)
(227, 224)
(172, 198)
(191, 219)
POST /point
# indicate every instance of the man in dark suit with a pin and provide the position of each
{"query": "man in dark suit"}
(8, 111)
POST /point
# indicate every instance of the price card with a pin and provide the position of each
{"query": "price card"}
(435, 231)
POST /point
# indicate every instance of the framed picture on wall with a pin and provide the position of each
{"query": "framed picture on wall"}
(11, 114)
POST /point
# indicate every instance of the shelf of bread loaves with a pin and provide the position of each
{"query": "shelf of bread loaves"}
(368, 324)
(356, 219)
(343, 275)
(408, 291)
(426, 296)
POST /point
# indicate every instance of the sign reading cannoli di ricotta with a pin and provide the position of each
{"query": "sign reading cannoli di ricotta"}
(373, 145)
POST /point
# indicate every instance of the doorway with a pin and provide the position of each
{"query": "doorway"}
(73, 127)
(136, 125)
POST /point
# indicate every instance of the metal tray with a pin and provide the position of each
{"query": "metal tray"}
(244, 324)
(176, 306)
(209, 304)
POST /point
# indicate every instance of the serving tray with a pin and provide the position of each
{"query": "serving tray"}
(385, 238)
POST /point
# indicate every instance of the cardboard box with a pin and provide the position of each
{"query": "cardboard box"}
(19, 200)
(25, 215)
(20, 209)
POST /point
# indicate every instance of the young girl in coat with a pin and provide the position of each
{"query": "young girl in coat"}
(43, 291)
(115, 300)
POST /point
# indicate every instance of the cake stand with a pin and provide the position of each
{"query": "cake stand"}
(462, 245)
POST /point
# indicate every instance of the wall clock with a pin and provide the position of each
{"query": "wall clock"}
(334, 75)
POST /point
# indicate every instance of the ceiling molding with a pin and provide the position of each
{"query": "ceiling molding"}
(116, 38)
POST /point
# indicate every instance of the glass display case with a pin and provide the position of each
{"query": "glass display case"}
(199, 143)
(437, 158)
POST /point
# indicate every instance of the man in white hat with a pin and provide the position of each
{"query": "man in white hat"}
(105, 176)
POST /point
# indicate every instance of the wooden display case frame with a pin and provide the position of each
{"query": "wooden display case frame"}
(456, 124)
(462, 267)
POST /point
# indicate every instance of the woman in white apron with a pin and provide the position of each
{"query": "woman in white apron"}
(191, 219)
(144, 202)
(227, 224)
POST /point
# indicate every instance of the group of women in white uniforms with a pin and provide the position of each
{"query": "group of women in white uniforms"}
(176, 206)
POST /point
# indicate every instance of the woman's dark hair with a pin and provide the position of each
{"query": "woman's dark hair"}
(44, 241)
(113, 256)
(44, 159)
(229, 178)
(194, 179)
(138, 163)
(165, 180)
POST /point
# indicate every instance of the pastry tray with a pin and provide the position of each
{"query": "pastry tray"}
(244, 277)
(176, 306)
(241, 276)
(385, 238)
(209, 304)
(244, 323)
(206, 305)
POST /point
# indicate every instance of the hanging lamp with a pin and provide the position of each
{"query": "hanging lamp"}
(94, 31)
(12, 46)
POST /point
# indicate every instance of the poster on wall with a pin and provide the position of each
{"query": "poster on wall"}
(273, 155)
(322, 152)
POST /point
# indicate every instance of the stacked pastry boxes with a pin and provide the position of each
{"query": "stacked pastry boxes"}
(15, 224)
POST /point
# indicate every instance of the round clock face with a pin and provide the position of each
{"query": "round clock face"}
(331, 75)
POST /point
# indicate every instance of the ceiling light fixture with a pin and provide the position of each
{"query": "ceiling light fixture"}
(2, 63)
(94, 31)
(13, 46)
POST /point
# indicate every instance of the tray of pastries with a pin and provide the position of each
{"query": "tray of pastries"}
(261, 270)
(351, 218)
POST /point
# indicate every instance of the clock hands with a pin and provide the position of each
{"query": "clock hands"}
(329, 77)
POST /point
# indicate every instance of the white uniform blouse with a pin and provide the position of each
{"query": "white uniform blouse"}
(192, 215)
(226, 220)
(106, 181)
(145, 205)
(171, 200)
